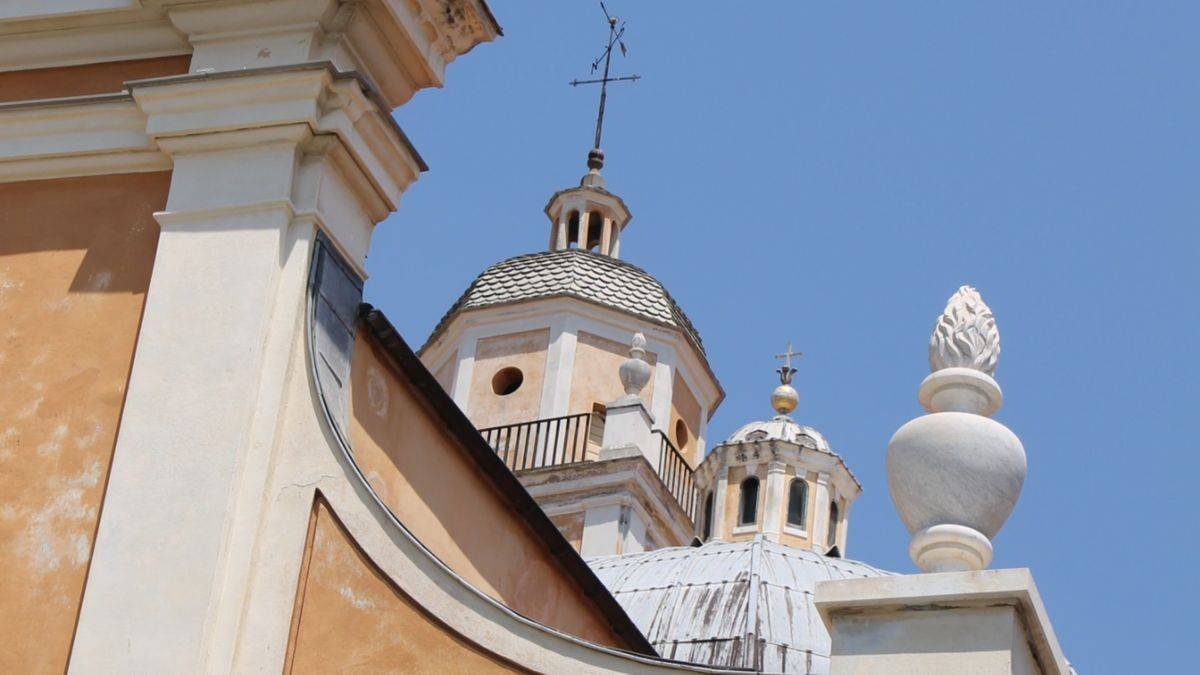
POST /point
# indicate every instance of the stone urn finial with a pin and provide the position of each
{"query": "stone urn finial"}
(635, 372)
(955, 474)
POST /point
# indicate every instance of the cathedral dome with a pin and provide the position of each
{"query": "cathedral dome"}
(780, 428)
(747, 604)
(578, 273)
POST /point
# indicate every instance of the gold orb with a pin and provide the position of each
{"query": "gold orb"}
(784, 399)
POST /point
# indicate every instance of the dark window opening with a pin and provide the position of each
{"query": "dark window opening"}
(507, 380)
(748, 514)
(706, 532)
(831, 539)
(797, 511)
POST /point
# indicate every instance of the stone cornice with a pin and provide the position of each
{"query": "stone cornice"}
(140, 129)
(402, 46)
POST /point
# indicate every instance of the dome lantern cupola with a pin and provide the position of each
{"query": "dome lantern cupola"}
(588, 217)
(779, 480)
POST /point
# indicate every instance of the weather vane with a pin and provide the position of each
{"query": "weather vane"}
(615, 38)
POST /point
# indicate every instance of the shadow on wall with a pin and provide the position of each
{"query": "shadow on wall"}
(42, 216)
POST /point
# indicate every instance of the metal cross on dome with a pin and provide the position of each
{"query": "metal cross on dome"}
(787, 371)
(615, 35)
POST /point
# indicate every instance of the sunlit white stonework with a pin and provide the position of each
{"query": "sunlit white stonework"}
(965, 335)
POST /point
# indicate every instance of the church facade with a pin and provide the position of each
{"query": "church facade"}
(218, 459)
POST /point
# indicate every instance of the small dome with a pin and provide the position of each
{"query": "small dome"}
(780, 428)
(747, 604)
(577, 273)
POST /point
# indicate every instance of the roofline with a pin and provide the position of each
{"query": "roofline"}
(685, 327)
(461, 428)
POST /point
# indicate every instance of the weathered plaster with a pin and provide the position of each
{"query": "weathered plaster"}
(595, 378)
(73, 277)
(431, 486)
(350, 617)
(526, 351)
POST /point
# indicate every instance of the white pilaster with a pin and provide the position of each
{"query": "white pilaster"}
(218, 329)
(664, 382)
(773, 507)
(719, 498)
(560, 364)
(821, 495)
(601, 531)
(616, 243)
(701, 438)
(461, 391)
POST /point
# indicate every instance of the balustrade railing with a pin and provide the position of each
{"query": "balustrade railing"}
(677, 475)
(541, 443)
(556, 441)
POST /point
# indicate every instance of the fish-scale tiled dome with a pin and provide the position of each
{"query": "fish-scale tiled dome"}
(747, 604)
(575, 273)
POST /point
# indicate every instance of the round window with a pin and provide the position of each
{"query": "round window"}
(507, 380)
(681, 434)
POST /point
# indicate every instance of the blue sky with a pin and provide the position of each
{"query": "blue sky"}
(829, 174)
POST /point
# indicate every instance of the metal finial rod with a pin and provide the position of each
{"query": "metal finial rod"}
(614, 39)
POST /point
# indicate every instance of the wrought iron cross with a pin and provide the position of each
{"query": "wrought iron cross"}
(787, 371)
(615, 35)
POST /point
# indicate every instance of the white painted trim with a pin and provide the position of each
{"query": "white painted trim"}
(664, 385)
(461, 392)
(559, 368)
(795, 531)
(745, 529)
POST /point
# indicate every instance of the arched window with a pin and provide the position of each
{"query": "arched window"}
(595, 231)
(572, 230)
(748, 514)
(831, 538)
(706, 531)
(797, 503)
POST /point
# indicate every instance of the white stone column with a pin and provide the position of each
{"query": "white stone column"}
(773, 508)
(821, 496)
(616, 242)
(584, 222)
(561, 242)
(605, 235)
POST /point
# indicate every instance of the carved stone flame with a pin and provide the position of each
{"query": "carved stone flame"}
(635, 372)
(965, 335)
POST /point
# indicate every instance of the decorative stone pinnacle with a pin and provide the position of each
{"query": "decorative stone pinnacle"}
(635, 372)
(954, 474)
(595, 162)
(965, 335)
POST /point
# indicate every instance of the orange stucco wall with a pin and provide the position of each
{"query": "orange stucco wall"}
(685, 407)
(350, 618)
(91, 78)
(75, 261)
(445, 374)
(571, 526)
(442, 496)
(526, 351)
(595, 377)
